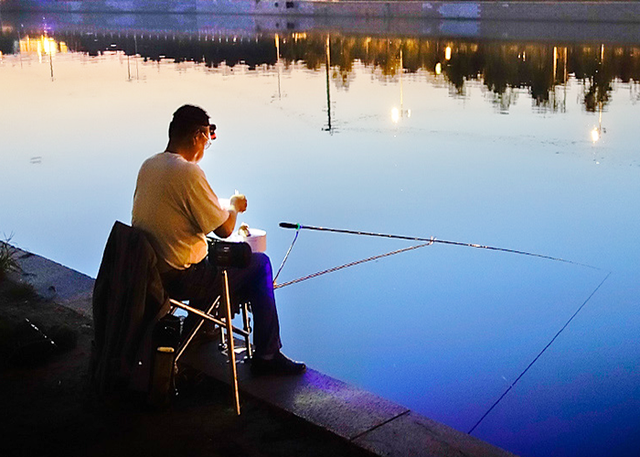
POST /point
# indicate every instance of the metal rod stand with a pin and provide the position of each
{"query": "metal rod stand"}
(230, 342)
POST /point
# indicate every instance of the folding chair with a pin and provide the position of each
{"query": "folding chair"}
(224, 258)
(128, 302)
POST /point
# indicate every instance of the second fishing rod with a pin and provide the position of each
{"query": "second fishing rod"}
(290, 225)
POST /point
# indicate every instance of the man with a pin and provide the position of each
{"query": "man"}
(175, 205)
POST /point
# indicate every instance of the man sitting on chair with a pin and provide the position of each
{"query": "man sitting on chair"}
(176, 207)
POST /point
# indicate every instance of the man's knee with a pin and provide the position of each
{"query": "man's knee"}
(261, 261)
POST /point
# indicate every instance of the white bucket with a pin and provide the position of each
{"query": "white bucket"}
(257, 238)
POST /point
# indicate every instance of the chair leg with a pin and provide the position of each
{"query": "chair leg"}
(220, 322)
(247, 328)
(230, 329)
(184, 346)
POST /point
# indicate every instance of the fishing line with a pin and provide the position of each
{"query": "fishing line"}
(289, 225)
(286, 256)
(540, 354)
(430, 241)
(350, 264)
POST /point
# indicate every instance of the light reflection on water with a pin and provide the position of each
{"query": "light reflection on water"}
(478, 142)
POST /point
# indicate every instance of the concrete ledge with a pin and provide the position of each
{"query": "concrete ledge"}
(370, 422)
(364, 419)
(415, 435)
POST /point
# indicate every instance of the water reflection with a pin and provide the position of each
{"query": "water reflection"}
(398, 114)
(454, 168)
(41, 46)
(44, 47)
(596, 132)
(329, 127)
(542, 69)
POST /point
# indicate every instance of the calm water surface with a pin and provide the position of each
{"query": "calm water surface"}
(518, 145)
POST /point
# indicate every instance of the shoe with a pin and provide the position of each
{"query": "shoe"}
(280, 365)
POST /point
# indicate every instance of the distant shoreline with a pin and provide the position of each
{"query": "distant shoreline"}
(626, 11)
(570, 21)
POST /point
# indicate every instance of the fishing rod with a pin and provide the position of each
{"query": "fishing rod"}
(290, 225)
(429, 242)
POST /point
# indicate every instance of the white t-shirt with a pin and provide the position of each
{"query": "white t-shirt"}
(174, 204)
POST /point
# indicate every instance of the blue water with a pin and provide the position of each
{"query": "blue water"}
(444, 330)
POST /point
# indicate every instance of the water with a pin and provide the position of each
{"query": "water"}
(494, 145)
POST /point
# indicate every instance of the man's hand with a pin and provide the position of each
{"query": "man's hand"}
(238, 202)
(237, 205)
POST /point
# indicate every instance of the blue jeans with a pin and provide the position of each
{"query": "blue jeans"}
(201, 283)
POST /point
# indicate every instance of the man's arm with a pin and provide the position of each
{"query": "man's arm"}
(237, 204)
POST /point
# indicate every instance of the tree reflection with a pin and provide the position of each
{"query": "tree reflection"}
(505, 69)
(596, 79)
(463, 64)
(342, 53)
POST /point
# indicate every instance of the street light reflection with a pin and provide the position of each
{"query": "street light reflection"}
(42, 45)
(395, 115)
(596, 132)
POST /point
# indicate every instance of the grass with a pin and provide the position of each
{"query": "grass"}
(8, 262)
(21, 291)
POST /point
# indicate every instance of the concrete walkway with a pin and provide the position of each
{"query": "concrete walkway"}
(362, 418)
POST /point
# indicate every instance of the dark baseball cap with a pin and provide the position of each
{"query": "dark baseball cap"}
(191, 114)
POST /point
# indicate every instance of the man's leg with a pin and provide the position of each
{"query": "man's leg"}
(201, 283)
(254, 284)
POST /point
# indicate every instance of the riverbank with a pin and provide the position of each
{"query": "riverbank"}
(47, 409)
